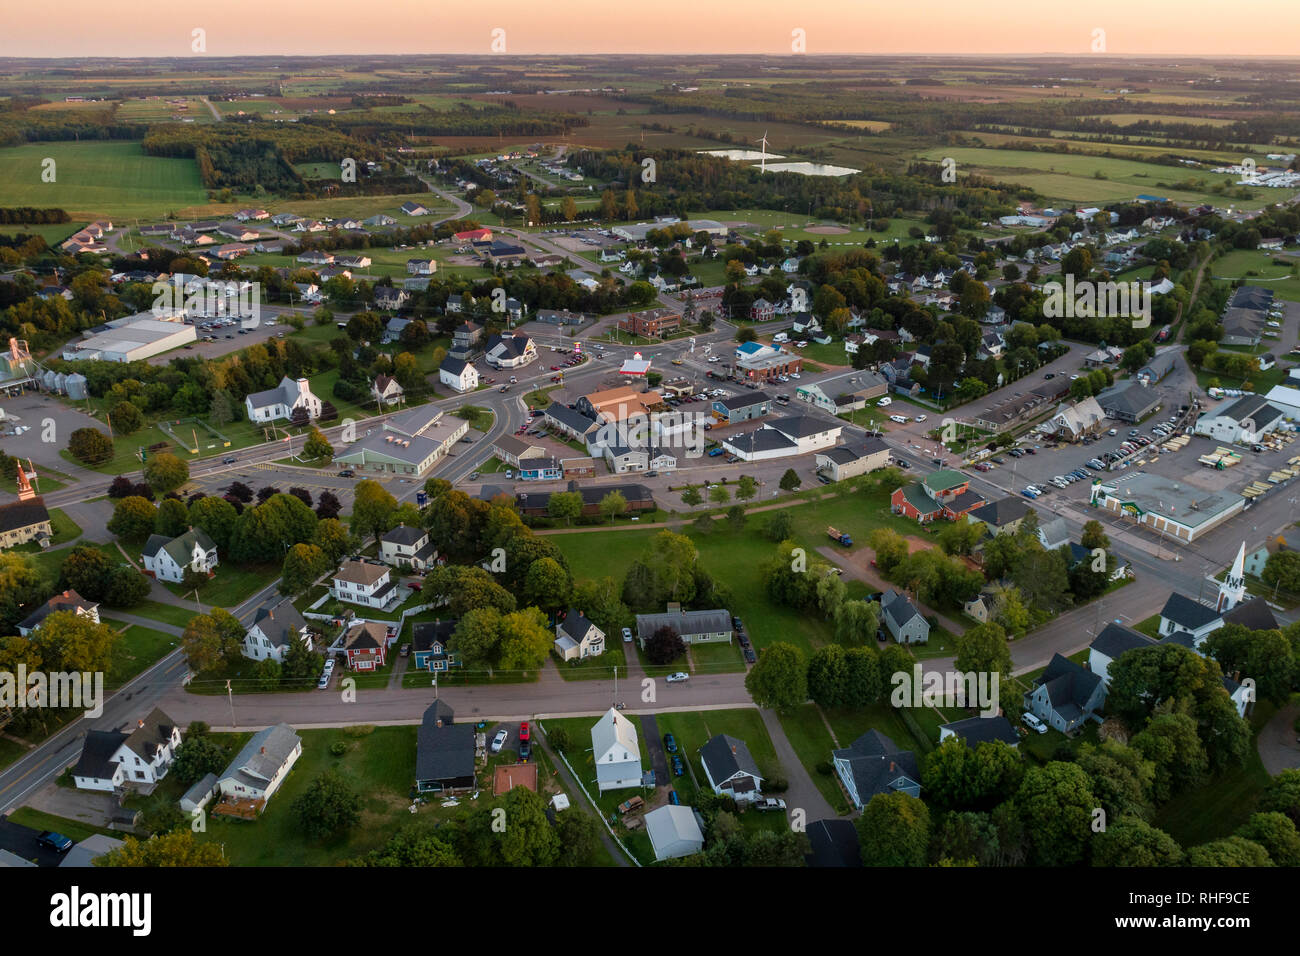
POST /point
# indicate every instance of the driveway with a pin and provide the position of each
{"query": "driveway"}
(802, 793)
(85, 806)
(1279, 748)
(21, 841)
(655, 745)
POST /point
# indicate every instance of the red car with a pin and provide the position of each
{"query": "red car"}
(523, 730)
(555, 368)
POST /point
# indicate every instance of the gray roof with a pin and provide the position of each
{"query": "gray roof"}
(569, 417)
(685, 622)
(1069, 685)
(1187, 613)
(1115, 639)
(262, 757)
(762, 439)
(1254, 614)
(286, 393)
(444, 753)
(63, 601)
(403, 534)
(1253, 407)
(85, 852)
(1002, 511)
(898, 608)
(876, 763)
(453, 366)
(726, 756)
(802, 426)
(280, 622)
(1131, 398)
(855, 451)
(743, 400)
(23, 514)
(1054, 533)
(977, 730)
(97, 754)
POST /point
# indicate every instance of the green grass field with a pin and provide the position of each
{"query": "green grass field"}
(1258, 269)
(98, 179)
(140, 647)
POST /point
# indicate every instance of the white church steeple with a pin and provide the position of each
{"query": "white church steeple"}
(1233, 589)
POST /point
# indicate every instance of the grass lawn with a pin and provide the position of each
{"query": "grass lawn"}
(232, 585)
(75, 829)
(167, 613)
(379, 763)
(692, 729)
(811, 740)
(10, 751)
(1259, 268)
(140, 647)
(600, 667)
(941, 644)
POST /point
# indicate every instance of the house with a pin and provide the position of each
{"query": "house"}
(404, 547)
(88, 850)
(465, 337)
(458, 374)
(731, 769)
(65, 601)
(24, 520)
(510, 351)
(413, 209)
(386, 391)
(1160, 366)
(379, 220)
(282, 401)
(694, 627)
(559, 317)
(429, 646)
(577, 638)
(364, 582)
(407, 444)
(674, 832)
(873, 764)
(980, 607)
(974, 731)
(652, 323)
(1054, 533)
(904, 621)
(850, 460)
(743, 407)
(167, 559)
(515, 451)
(364, 645)
(353, 262)
(275, 627)
(541, 469)
(1003, 516)
(1076, 421)
(941, 494)
(616, 752)
(1181, 614)
(834, 843)
(1066, 695)
(421, 267)
(111, 759)
(793, 435)
(1255, 560)
(260, 767)
(534, 504)
(567, 421)
(390, 298)
(1128, 402)
(314, 257)
(444, 752)
(762, 310)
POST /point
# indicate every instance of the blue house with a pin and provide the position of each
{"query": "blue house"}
(540, 469)
(429, 646)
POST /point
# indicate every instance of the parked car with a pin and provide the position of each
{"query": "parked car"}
(523, 730)
(677, 677)
(525, 749)
(627, 635)
(1033, 723)
(670, 743)
(679, 768)
(499, 740)
(674, 799)
(750, 657)
(769, 803)
(52, 840)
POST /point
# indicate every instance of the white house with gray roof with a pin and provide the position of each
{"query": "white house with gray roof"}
(731, 769)
(616, 752)
(281, 401)
(258, 770)
(694, 627)
(407, 547)
(140, 754)
(459, 374)
(167, 559)
(904, 622)
(274, 628)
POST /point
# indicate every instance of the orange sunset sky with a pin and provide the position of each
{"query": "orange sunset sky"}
(275, 27)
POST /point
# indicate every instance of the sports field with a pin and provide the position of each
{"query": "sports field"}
(98, 179)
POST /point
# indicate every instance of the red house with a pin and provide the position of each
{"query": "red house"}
(365, 644)
(943, 494)
(474, 235)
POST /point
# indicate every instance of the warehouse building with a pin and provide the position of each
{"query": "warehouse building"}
(131, 340)
(1175, 509)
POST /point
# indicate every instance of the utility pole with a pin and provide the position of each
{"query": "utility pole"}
(231, 698)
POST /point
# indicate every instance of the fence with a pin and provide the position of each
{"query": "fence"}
(600, 815)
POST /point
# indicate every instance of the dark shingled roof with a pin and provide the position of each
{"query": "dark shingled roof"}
(1003, 511)
(834, 843)
(1069, 685)
(97, 753)
(1115, 639)
(23, 514)
(280, 622)
(1254, 614)
(444, 753)
(725, 756)
(876, 762)
(977, 730)
(1187, 613)
(743, 400)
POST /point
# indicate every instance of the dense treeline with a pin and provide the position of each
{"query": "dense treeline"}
(30, 215)
(397, 128)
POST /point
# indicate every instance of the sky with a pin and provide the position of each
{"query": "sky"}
(136, 28)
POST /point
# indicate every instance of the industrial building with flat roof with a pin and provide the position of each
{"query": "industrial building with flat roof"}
(131, 340)
(1173, 508)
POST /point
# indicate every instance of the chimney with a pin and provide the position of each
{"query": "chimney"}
(141, 723)
(892, 766)
(733, 749)
(439, 722)
(262, 751)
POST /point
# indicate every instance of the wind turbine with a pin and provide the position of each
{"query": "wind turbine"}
(762, 159)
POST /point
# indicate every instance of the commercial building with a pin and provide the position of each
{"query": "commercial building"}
(795, 435)
(133, 339)
(1177, 510)
(853, 459)
(408, 444)
(652, 323)
(1245, 421)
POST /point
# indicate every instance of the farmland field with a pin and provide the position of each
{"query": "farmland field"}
(97, 179)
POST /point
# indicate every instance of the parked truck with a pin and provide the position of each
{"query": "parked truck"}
(836, 535)
(627, 806)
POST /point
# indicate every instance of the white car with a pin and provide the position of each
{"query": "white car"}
(499, 740)
(898, 419)
(1033, 723)
(920, 418)
(627, 635)
(678, 677)
(884, 401)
